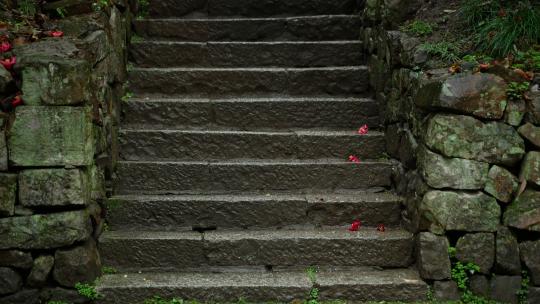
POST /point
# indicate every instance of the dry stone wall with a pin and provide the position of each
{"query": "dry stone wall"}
(470, 160)
(58, 151)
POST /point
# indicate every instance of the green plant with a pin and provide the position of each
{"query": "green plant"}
(143, 8)
(418, 28)
(108, 270)
(517, 90)
(100, 5)
(312, 274)
(28, 7)
(445, 50)
(57, 302)
(523, 292)
(126, 98)
(136, 39)
(452, 252)
(528, 60)
(61, 12)
(313, 296)
(86, 290)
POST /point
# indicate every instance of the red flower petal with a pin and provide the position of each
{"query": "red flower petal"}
(57, 34)
(354, 159)
(363, 130)
(381, 228)
(355, 225)
(8, 63)
(17, 101)
(5, 47)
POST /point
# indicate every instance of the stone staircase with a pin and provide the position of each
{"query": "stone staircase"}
(234, 175)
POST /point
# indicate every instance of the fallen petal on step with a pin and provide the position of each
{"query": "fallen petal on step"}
(355, 225)
(354, 159)
(363, 130)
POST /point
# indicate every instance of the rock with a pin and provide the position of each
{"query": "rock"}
(482, 95)
(44, 231)
(534, 295)
(8, 193)
(20, 210)
(16, 259)
(469, 138)
(456, 173)
(72, 7)
(6, 81)
(392, 137)
(441, 211)
(52, 187)
(531, 133)
(3, 151)
(533, 106)
(501, 184)
(59, 294)
(25, 296)
(40, 271)
(504, 288)
(10, 281)
(515, 111)
(80, 264)
(529, 255)
(507, 252)
(408, 150)
(479, 285)
(432, 256)
(530, 168)
(524, 212)
(51, 136)
(477, 248)
(446, 291)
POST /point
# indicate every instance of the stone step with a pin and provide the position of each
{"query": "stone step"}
(171, 251)
(251, 210)
(308, 28)
(246, 54)
(248, 8)
(354, 284)
(154, 177)
(136, 144)
(250, 81)
(251, 113)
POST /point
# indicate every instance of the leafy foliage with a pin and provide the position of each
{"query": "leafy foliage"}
(445, 50)
(108, 270)
(418, 28)
(88, 291)
(517, 90)
(528, 60)
(523, 292)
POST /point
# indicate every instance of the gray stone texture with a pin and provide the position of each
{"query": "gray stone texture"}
(25, 296)
(530, 168)
(533, 106)
(79, 264)
(40, 271)
(6, 80)
(479, 285)
(52, 187)
(477, 248)
(482, 95)
(469, 138)
(432, 256)
(504, 288)
(8, 194)
(501, 184)
(10, 281)
(515, 112)
(3, 150)
(60, 294)
(531, 133)
(441, 172)
(446, 291)
(442, 211)
(506, 252)
(534, 295)
(44, 231)
(16, 259)
(524, 212)
(529, 256)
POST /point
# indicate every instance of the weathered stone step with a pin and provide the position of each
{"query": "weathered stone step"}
(138, 144)
(250, 211)
(246, 54)
(250, 81)
(314, 28)
(249, 175)
(354, 284)
(171, 251)
(249, 8)
(252, 113)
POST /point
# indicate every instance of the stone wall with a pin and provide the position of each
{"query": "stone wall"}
(58, 150)
(470, 160)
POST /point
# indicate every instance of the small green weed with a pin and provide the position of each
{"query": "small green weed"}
(100, 5)
(528, 61)
(517, 90)
(136, 39)
(312, 274)
(57, 302)
(61, 12)
(28, 7)
(418, 28)
(523, 292)
(445, 50)
(126, 98)
(86, 290)
(159, 300)
(143, 9)
(108, 270)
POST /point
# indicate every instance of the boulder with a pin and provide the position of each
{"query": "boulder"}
(40, 271)
(529, 253)
(479, 285)
(481, 95)
(442, 211)
(515, 111)
(504, 288)
(44, 231)
(8, 194)
(446, 291)
(507, 252)
(16, 259)
(25, 296)
(501, 184)
(477, 248)
(10, 281)
(60, 294)
(3, 151)
(51, 136)
(432, 256)
(52, 187)
(534, 295)
(441, 172)
(466, 137)
(530, 168)
(79, 264)
(533, 106)
(531, 133)
(524, 212)
(6, 80)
